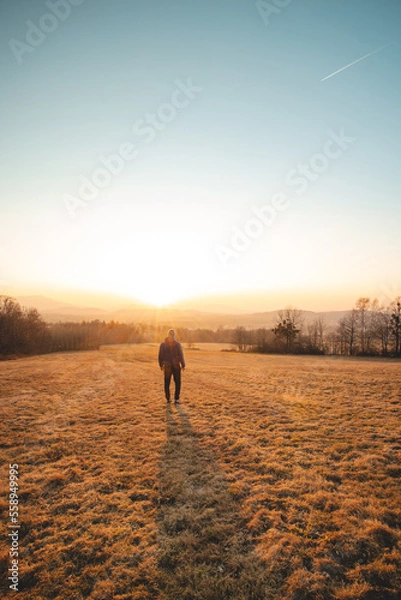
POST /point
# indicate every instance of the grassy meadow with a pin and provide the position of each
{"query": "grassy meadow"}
(276, 477)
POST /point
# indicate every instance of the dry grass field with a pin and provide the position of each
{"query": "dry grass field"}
(276, 478)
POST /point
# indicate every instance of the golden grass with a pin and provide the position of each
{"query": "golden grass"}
(276, 478)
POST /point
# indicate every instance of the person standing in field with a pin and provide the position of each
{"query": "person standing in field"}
(171, 361)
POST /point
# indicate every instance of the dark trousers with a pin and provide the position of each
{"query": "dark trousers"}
(174, 372)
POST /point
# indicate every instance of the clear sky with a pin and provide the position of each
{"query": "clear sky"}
(218, 109)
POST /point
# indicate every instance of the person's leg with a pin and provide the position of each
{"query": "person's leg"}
(167, 379)
(177, 382)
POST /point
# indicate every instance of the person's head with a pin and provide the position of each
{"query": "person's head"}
(171, 334)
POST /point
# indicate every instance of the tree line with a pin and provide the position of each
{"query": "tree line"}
(24, 332)
(367, 330)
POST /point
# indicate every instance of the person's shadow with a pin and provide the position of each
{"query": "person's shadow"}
(205, 549)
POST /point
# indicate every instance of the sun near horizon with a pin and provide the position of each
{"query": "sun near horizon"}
(261, 172)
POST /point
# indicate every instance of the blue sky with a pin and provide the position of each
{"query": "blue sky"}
(262, 112)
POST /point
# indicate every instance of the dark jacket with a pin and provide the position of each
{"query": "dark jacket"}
(171, 354)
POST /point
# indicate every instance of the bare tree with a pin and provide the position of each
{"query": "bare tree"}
(334, 343)
(347, 332)
(240, 338)
(288, 327)
(381, 328)
(249, 338)
(261, 339)
(315, 337)
(396, 324)
(362, 317)
(22, 331)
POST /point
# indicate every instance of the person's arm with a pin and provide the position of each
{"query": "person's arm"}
(182, 360)
(160, 357)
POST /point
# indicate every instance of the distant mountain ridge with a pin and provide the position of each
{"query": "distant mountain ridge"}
(54, 311)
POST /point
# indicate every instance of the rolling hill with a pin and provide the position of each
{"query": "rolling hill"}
(54, 311)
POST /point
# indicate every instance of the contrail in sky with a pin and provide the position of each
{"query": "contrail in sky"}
(355, 61)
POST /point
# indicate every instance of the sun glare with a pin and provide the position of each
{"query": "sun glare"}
(157, 298)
